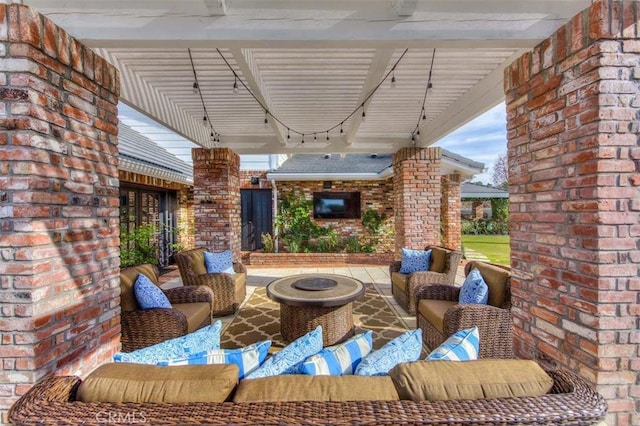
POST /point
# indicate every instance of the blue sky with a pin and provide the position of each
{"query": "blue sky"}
(482, 139)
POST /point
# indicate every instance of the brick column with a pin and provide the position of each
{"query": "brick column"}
(573, 140)
(59, 225)
(477, 210)
(451, 209)
(416, 197)
(216, 196)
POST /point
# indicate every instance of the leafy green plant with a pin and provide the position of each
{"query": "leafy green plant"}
(294, 224)
(500, 208)
(138, 246)
(268, 244)
(372, 220)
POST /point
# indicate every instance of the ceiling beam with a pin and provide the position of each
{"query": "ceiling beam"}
(377, 70)
(404, 8)
(140, 95)
(483, 96)
(249, 70)
(216, 7)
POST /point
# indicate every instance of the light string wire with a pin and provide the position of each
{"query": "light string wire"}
(214, 133)
(416, 130)
(339, 125)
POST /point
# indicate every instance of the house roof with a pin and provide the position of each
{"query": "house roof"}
(140, 154)
(360, 166)
(476, 190)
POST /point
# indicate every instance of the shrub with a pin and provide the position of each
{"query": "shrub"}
(485, 227)
(139, 246)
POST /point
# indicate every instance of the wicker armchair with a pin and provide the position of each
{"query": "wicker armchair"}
(439, 315)
(229, 289)
(443, 268)
(191, 310)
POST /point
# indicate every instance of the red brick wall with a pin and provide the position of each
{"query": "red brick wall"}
(374, 195)
(216, 196)
(245, 179)
(573, 142)
(416, 197)
(59, 275)
(451, 206)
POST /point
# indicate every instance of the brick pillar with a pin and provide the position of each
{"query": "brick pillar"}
(451, 209)
(59, 224)
(416, 197)
(186, 218)
(573, 140)
(216, 196)
(477, 210)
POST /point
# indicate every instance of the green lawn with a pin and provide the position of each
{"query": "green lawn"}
(495, 247)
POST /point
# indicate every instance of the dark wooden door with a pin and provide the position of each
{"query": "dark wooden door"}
(257, 217)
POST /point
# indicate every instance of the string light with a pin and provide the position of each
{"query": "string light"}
(266, 120)
(423, 113)
(393, 80)
(198, 91)
(235, 84)
(315, 138)
(289, 129)
(302, 140)
(364, 114)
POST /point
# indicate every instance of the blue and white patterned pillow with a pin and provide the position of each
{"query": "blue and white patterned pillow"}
(414, 261)
(247, 359)
(404, 348)
(463, 345)
(149, 295)
(474, 290)
(219, 262)
(289, 360)
(200, 340)
(339, 359)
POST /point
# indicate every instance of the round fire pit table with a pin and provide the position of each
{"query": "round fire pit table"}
(309, 300)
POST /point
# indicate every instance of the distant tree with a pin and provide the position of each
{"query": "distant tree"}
(501, 172)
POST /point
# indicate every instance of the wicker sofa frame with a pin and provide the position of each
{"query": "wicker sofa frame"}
(572, 401)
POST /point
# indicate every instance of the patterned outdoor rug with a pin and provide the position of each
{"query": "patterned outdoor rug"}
(259, 319)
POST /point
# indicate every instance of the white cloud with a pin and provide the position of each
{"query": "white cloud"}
(482, 139)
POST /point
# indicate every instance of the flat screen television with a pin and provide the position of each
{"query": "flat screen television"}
(336, 205)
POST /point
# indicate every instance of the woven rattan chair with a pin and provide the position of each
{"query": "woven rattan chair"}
(443, 268)
(191, 310)
(439, 315)
(229, 289)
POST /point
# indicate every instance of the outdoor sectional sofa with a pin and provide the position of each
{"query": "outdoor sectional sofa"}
(571, 401)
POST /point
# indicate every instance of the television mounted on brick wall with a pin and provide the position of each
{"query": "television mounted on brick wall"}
(336, 205)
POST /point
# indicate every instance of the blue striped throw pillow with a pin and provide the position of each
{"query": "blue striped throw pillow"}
(247, 359)
(404, 348)
(463, 345)
(289, 360)
(339, 359)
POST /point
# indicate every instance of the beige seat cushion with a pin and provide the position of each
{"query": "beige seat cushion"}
(197, 261)
(434, 310)
(399, 280)
(496, 279)
(197, 313)
(124, 382)
(486, 378)
(128, 277)
(300, 387)
(438, 259)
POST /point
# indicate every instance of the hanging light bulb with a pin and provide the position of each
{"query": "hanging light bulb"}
(364, 114)
(430, 86)
(235, 85)
(393, 80)
(424, 115)
(302, 140)
(288, 134)
(195, 87)
(266, 121)
(204, 118)
(213, 136)
(341, 131)
(327, 135)
(315, 138)
(413, 137)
